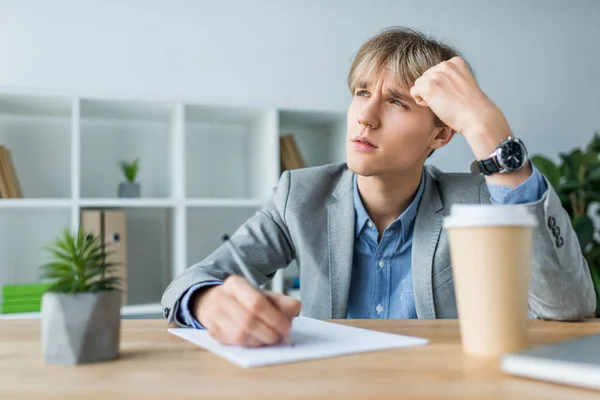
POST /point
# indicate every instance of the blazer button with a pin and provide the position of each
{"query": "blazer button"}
(551, 222)
(556, 231)
(166, 313)
(559, 241)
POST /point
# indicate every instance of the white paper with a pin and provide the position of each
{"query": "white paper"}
(312, 339)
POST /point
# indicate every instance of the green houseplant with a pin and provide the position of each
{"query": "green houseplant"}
(130, 188)
(576, 180)
(81, 310)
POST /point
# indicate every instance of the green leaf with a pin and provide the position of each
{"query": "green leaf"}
(594, 144)
(111, 283)
(77, 260)
(60, 256)
(547, 168)
(571, 164)
(594, 174)
(130, 169)
(569, 186)
(584, 227)
(593, 197)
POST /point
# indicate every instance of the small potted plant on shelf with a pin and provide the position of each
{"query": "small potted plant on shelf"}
(81, 310)
(130, 188)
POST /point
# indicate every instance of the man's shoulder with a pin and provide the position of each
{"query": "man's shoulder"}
(318, 183)
(323, 172)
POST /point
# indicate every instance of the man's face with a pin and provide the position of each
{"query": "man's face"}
(387, 131)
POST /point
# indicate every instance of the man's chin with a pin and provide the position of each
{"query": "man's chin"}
(362, 168)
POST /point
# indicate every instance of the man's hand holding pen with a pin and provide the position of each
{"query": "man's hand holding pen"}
(237, 313)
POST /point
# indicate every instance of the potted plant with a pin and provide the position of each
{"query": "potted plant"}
(130, 188)
(81, 310)
(576, 179)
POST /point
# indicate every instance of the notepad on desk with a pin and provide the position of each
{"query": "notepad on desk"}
(312, 338)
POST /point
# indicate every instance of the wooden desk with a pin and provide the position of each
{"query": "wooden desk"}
(156, 364)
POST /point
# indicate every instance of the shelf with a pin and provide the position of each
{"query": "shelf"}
(126, 110)
(25, 234)
(126, 203)
(37, 132)
(143, 310)
(35, 106)
(149, 254)
(229, 152)
(113, 131)
(36, 203)
(320, 136)
(206, 227)
(244, 203)
(204, 170)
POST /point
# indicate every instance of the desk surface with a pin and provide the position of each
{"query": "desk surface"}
(156, 364)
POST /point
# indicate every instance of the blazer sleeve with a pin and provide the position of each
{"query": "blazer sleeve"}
(561, 287)
(263, 240)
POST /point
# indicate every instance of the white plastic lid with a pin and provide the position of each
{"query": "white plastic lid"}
(467, 215)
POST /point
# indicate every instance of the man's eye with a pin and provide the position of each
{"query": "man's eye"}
(362, 93)
(399, 103)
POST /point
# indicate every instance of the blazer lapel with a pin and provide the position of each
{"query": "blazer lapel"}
(427, 229)
(340, 229)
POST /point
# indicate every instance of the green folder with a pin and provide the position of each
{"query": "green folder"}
(22, 300)
(20, 308)
(31, 289)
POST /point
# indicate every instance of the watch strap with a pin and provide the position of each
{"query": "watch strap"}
(488, 166)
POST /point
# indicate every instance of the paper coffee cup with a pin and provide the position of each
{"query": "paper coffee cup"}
(490, 251)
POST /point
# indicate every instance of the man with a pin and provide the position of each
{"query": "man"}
(368, 234)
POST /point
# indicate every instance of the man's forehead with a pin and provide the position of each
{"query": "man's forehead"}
(390, 80)
(391, 86)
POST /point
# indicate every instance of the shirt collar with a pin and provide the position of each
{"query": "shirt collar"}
(405, 221)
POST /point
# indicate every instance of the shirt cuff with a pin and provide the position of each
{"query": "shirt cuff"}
(530, 191)
(185, 313)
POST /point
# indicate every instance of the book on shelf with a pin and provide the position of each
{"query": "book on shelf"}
(290, 155)
(10, 187)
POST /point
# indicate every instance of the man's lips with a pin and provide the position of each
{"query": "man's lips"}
(363, 141)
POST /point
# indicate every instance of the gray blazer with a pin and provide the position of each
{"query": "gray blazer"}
(310, 218)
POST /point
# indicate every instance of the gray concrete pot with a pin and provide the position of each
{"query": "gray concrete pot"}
(81, 328)
(129, 189)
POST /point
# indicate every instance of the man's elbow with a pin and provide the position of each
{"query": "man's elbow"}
(571, 312)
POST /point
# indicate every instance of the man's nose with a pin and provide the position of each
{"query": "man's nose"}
(369, 115)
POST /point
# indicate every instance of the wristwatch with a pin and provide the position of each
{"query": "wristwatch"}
(510, 155)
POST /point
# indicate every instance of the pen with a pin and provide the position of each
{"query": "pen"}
(240, 262)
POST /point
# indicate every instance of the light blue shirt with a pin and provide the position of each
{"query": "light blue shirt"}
(381, 283)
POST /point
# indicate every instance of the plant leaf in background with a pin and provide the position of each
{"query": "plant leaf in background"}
(576, 180)
(584, 227)
(130, 169)
(548, 169)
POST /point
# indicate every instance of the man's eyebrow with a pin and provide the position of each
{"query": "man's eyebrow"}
(399, 95)
(390, 92)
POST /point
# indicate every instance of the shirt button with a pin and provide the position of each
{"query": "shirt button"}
(370, 224)
(381, 264)
(379, 308)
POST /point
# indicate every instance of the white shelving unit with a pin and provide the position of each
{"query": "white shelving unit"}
(204, 170)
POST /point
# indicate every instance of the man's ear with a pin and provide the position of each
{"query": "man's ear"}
(441, 137)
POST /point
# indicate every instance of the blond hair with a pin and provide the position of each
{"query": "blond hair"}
(407, 54)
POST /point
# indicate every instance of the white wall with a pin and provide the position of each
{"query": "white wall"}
(538, 60)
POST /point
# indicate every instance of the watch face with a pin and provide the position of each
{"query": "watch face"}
(512, 155)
